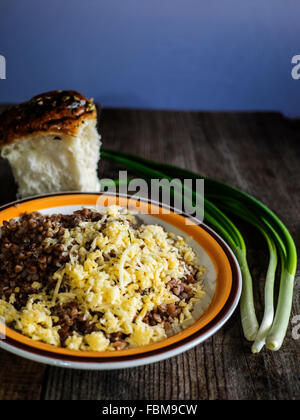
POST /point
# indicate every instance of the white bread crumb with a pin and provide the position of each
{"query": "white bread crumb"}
(47, 163)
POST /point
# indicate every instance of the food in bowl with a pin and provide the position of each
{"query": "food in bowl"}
(95, 280)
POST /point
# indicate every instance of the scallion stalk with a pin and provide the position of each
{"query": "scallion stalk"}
(228, 231)
(256, 213)
(239, 210)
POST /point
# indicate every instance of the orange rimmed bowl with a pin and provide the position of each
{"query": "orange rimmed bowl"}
(222, 284)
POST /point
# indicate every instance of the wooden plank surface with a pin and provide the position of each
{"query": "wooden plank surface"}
(257, 152)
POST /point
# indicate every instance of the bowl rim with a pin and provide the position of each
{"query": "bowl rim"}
(75, 198)
(130, 361)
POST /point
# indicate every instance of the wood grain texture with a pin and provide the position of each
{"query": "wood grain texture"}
(257, 152)
(20, 379)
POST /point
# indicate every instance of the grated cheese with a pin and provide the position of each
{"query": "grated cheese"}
(111, 263)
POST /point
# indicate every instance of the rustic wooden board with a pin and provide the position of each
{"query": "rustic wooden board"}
(257, 152)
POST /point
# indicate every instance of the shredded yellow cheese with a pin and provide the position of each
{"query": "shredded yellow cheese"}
(111, 263)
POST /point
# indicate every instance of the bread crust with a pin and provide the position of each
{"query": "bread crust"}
(55, 112)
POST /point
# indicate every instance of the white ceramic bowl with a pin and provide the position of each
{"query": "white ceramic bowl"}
(222, 284)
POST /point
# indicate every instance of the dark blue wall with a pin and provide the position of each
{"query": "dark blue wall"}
(177, 54)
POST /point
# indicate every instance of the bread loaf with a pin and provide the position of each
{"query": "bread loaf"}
(52, 143)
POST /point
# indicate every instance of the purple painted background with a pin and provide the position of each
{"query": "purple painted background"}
(165, 54)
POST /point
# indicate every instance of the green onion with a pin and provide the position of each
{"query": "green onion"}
(256, 213)
(228, 231)
(268, 318)
(239, 210)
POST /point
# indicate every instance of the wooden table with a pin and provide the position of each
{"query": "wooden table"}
(257, 152)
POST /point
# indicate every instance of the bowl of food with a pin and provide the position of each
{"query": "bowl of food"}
(91, 285)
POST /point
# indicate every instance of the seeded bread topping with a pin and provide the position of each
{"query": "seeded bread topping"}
(55, 112)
